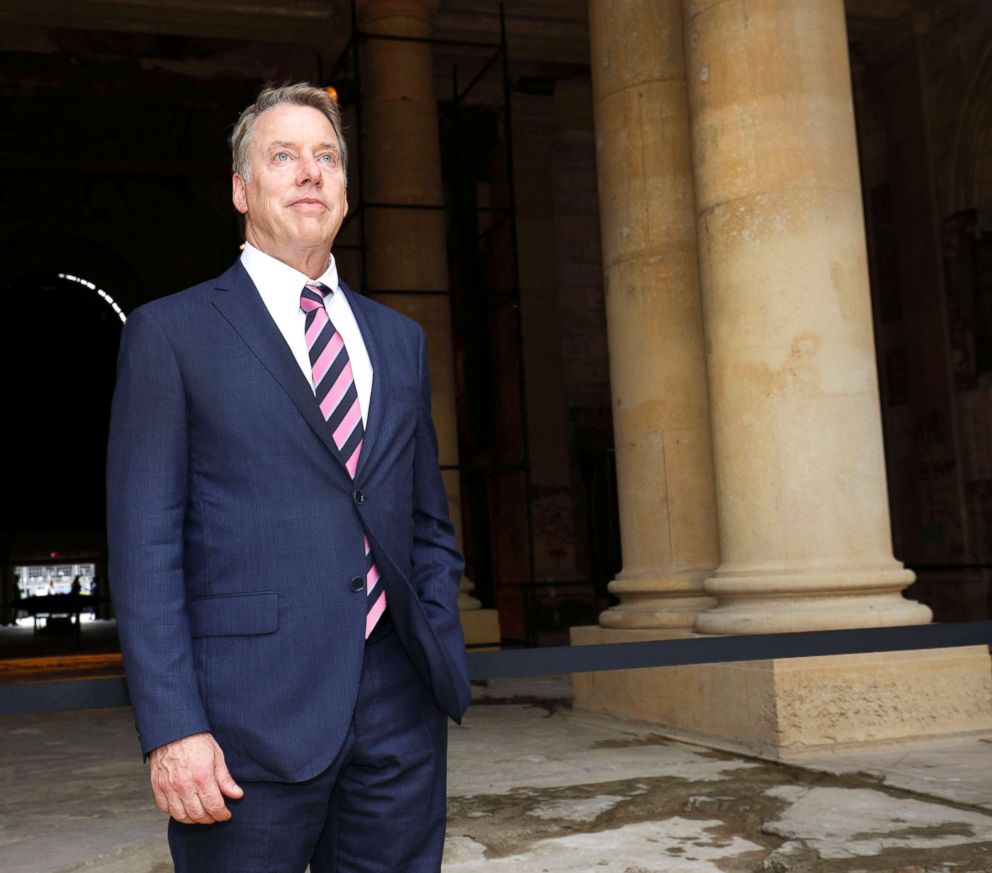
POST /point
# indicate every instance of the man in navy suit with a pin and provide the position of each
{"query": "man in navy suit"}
(284, 570)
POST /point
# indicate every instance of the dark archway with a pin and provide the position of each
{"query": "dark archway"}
(60, 338)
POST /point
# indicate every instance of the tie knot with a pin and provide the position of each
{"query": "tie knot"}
(312, 296)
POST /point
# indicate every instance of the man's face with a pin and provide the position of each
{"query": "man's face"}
(295, 197)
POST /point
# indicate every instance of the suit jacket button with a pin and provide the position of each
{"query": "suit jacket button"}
(357, 584)
(359, 497)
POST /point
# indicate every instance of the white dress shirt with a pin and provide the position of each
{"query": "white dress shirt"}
(280, 286)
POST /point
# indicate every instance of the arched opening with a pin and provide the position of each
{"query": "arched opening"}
(60, 338)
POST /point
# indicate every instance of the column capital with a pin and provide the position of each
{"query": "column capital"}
(372, 11)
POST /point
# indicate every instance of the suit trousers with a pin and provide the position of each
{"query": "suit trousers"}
(378, 808)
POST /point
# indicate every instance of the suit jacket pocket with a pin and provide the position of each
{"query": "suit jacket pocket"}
(234, 614)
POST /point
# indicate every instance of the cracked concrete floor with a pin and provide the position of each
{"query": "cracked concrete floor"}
(537, 788)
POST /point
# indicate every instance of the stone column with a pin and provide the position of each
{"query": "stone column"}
(654, 316)
(800, 481)
(803, 510)
(407, 254)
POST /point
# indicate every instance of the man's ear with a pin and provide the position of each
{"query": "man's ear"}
(239, 196)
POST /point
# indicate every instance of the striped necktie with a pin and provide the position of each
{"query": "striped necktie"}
(334, 386)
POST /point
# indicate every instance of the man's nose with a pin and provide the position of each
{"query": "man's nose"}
(309, 170)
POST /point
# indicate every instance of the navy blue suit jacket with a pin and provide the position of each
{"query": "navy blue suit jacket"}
(234, 530)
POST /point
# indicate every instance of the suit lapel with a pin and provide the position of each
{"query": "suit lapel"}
(380, 378)
(243, 307)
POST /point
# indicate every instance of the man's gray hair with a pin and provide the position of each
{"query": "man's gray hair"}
(298, 94)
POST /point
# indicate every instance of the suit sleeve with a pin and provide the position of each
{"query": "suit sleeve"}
(147, 475)
(437, 562)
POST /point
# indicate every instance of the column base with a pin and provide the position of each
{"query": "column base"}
(653, 600)
(481, 629)
(465, 598)
(778, 708)
(804, 599)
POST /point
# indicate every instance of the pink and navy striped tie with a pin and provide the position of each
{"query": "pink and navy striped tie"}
(334, 386)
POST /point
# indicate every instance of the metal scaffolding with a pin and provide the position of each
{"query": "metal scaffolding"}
(348, 66)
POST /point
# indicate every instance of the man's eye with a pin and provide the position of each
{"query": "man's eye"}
(282, 156)
(330, 159)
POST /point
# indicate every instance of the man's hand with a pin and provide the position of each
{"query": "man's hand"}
(189, 777)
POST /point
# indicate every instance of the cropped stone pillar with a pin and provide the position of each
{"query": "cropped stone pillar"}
(800, 481)
(804, 517)
(407, 255)
(654, 316)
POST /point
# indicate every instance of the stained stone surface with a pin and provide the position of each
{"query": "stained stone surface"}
(955, 768)
(535, 787)
(860, 823)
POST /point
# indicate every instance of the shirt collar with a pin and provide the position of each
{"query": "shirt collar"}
(279, 281)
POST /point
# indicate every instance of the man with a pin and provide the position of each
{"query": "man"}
(283, 567)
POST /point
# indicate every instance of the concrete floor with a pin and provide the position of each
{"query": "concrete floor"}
(537, 788)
